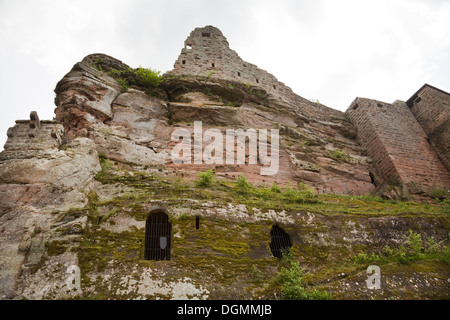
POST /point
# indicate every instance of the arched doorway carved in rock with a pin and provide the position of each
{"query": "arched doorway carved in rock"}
(158, 232)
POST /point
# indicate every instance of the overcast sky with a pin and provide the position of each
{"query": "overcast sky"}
(327, 50)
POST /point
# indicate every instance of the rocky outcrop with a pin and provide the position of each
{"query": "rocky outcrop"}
(133, 127)
(77, 190)
(34, 184)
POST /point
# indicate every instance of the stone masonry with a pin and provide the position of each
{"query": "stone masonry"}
(431, 107)
(399, 146)
(207, 53)
(34, 134)
(408, 142)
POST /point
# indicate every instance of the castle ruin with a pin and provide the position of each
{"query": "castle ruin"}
(96, 189)
(409, 142)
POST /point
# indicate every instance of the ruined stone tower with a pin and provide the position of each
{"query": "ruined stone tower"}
(409, 142)
(206, 52)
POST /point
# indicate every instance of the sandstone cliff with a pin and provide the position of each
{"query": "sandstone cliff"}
(77, 190)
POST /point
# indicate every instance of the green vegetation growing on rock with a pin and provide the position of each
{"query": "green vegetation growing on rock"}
(56, 247)
(147, 77)
(291, 279)
(232, 256)
(413, 250)
(124, 84)
(339, 156)
(242, 184)
(105, 164)
(205, 179)
(440, 194)
(299, 198)
(144, 78)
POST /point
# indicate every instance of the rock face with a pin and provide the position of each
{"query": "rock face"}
(124, 126)
(38, 179)
(407, 141)
(77, 190)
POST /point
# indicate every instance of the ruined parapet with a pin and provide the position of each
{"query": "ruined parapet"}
(207, 53)
(398, 146)
(431, 107)
(34, 134)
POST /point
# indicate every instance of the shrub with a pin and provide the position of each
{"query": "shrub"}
(98, 64)
(205, 178)
(147, 77)
(440, 194)
(124, 84)
(275, 188)
(305, 189)
(413, 249)
(105, 164)
(116, 73)
(304, 194)
(242, 184)
(414, 241)
(266, 193)
(290, 195)
(257, 275)
(290, 277)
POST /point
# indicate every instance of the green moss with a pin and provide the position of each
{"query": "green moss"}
(56, 247)
(413, 250)
(222, 251)
(339, 156)
(105, 164)
(226, 246)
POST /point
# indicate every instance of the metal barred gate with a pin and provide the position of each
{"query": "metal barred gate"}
(279, 241)
(158, 231)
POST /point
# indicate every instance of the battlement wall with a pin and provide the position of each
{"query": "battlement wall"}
(431, 107)
(398, 145)
(34, 134)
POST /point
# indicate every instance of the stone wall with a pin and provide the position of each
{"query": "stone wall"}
(361, 112)
(207, 53)
(398, 145)
(34, 134)
(431, 107)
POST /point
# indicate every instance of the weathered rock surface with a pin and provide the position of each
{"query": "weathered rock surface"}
(33, 186)
(77, 190)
